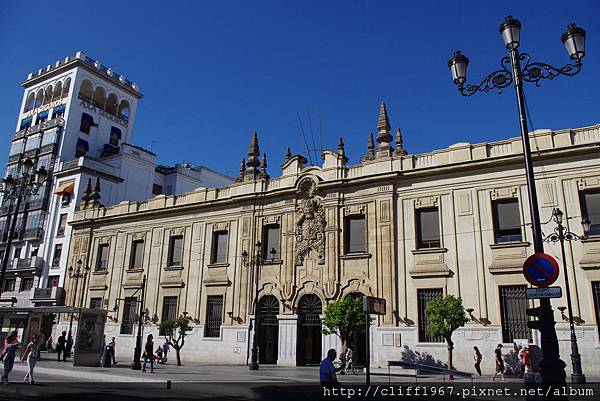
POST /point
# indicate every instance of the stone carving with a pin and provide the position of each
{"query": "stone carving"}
(310, 224)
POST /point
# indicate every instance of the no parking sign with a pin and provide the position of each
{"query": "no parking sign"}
(540, 269)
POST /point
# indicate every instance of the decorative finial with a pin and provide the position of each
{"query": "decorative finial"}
(263, 163)
(95, 197)
(288, 154)
(383, 127)
(242, 166)
(370, 147)
(253, 153)
(399, 144)
(87, 195)
(341, 151)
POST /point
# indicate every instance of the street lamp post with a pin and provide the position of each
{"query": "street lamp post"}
(76, 274)
(137, 352)
(511, 72)
(256, 262)
(18, 189)
(561, 235)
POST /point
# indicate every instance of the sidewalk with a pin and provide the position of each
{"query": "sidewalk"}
(121, 373)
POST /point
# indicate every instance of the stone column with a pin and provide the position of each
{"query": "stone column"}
(286, 349)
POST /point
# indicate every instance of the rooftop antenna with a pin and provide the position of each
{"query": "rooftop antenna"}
(305, 141)
(312, 135)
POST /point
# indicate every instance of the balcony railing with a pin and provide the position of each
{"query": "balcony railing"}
(103, 107)
(33, 233)
(34, 264)
(56, 295)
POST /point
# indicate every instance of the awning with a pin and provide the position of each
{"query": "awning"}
(65, 187)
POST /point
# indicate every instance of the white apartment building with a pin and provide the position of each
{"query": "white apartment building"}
(76, 119)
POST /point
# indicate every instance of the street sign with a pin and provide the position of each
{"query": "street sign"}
(538, 293)
(540, 269)
(375, 306)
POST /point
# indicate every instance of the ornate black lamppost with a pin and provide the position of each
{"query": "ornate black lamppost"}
(255, 262)
(511, 72)
(27, 182)
(137, 352)
(561, 235)
(76, 274)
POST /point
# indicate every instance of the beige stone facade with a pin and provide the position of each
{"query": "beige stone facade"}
(310, 209)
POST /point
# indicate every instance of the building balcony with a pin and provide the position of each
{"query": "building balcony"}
(33, 233)
(54, 295)
(55, 122)
(34, 265)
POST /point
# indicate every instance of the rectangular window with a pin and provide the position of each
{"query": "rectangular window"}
(17, 252)
(26, 122)
(355, 237)
(115, 136)
(62, 225)
(33, 142)
(590, 208)
(50, 137)
(53, 281)
(16, 147)
(169, 310)
(219, 247)
(102, 258)
(513, 305)
(9, 284)
(96, 303)
(507, 223)
(428, 228)
(87, 122)
(26, 284)
(82, 148)
(57, 255)
(129, 313)
(137, 255)
(214, 315)
(176, 251)
(271, 240)
(156, 189)
(423, 297)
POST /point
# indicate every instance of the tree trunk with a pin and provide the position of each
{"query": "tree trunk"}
(178, 356)
(450, 348)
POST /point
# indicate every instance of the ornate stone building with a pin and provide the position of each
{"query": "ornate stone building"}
(403, 227)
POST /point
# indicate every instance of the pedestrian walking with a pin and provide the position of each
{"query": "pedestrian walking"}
(165, 348)
(61, 347)
(149, 353)
(477, 358)
(49, 345)
(499, 362)
(327, 371)
(525, 359)
(112, 344)
(9, 351)
(159, 355)
(32, 354)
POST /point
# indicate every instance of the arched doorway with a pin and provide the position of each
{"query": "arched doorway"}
(268, 330)
(308, 344)
(358, 341)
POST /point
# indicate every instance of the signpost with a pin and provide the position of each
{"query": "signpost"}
(540, 269)
(375, 306)
(539, 293)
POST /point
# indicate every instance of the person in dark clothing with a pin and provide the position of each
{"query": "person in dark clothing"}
(477, 358)
(499, 362)
(149, 353)
(61, 346)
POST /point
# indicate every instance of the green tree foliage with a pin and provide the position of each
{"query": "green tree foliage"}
(444, 316)
(342, 318)
(175, 331)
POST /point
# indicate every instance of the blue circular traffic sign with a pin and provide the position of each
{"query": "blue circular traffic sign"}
(540, 269)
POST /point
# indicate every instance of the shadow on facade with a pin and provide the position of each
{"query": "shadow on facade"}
(421, 358)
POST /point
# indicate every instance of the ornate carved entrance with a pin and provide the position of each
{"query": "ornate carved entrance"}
(308, 344)
(268, 331)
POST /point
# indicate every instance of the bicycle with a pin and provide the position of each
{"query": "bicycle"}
(342, 367)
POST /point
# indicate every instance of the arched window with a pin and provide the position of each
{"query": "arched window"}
(124, 110)
(99, 97)
(30, 103)
(57, 91)
(67, 87)
(112, 103)
(48, 94)
(85, 90)
(39, 98)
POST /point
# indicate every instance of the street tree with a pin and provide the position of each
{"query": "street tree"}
(343, 318)
(444, 316)
(175, 331)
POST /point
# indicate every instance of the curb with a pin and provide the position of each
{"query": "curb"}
(93, 376)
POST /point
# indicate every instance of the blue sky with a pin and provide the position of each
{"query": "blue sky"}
(212, 72)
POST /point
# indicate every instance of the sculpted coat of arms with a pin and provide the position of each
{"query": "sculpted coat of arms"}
(310, 224)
